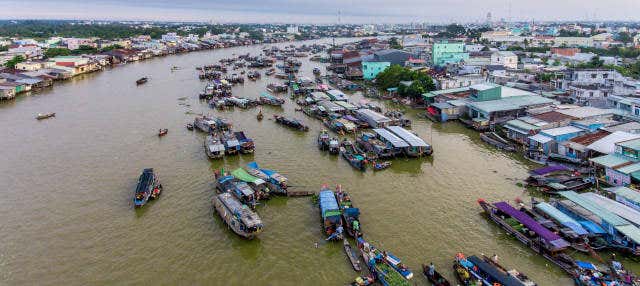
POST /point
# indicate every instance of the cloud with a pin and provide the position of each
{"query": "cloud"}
(325, 12)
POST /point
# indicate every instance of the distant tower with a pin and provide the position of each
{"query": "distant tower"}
(489, 20)
(339, 14)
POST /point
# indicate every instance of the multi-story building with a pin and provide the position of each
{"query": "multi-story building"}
(444, 53)
(371, 69)
(505, 58)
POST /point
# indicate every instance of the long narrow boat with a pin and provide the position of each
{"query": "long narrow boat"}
(538, 238)
(381, 270)
(242, 220)
(41, 116)
(489, 274)
(330, 214)
(350, 214)
(277, 183)
(290, 122)
(435, 278)
(519, 276)
(148, 188)
(142, 80)
(323, 140)
(495, 140)
(350, 153)
(213, 146)
(353, 258)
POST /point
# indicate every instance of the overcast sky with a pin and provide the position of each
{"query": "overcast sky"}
(322, 11)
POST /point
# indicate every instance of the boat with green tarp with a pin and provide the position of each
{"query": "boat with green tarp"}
(257, 184)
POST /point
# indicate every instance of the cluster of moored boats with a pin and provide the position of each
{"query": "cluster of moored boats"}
(553, 229)
(221, 140)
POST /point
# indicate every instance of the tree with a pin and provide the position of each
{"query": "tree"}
(393, 75)
(54, 52)
(596, 62)
(14, 61)
(394, 43)
(625, 37)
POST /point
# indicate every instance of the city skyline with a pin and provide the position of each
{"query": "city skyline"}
(326, 12)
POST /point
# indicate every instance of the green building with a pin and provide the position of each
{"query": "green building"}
(448, 53)
(371, 69)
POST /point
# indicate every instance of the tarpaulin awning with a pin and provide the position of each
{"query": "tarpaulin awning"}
(552, 238)
(242, 175)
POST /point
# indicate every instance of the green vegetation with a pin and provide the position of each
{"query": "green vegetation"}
(567, 33)
(393, 75)
(392, 277)
(544, 77)
(543, 49)
(54, 52)
(4, 48)
(394, 43)
(14, 61)
(615, 51)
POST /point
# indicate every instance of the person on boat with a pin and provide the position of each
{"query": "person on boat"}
(432, 269)
(339, 231)
(494, 258)
(356, 226)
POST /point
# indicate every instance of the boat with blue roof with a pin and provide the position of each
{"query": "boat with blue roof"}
(387, 268)
(213, 146)
(268, 99)
(350, 214)
(330, 214)
(351, 153)
(247, 146)
(231, 143)
(276, 182)
(240, 189)
(488, 272)
(148, 188)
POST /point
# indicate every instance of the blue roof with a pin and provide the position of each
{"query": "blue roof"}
(561, 217)
(391, 138)
(411, 138)
(327, 201)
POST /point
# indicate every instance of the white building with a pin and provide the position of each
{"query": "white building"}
(505, 58)
(292, 30)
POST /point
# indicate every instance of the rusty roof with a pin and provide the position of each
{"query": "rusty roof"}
(587, 139)
(552, 116)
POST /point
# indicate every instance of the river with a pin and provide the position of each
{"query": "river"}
(66, 216)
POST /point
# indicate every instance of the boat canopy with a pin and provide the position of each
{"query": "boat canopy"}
(213, 148)
(498, 276)
(241, 174)
(556, 241)
(561, 217)
(145, 180)
(246, 215)
(268, 96)
(407, 136)
(328, 204)
(389, 137)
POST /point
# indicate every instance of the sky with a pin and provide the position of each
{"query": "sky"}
(322, 11)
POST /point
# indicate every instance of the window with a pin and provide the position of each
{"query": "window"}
(591, 94)
(606, 75)
(593, 75)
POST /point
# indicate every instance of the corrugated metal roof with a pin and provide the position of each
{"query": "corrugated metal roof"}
(520, 125)
(561, 217)
(561, 131)
(617, 208)
(629, 168)
(391, 138)
(375, 116)
(630, 231)
(610, 160)
(606, 145)
(407, 136)
(540, 138)
(509, 103)
(597, 210)
(627, 193)
(631, 144)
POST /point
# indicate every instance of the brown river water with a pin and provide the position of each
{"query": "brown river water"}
(66, 215)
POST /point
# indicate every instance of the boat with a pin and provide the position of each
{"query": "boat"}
(435, 278)
(189, 126)
(330, 214)
(175, 68)
(41, 116)
(293, 123)
(465, 277)
(142, 80)
(205, 124)
(231, 143)
(163, 132)
(495, 140)
(323, 140)
(350, 214)
(240, 189)
(270, 71)
(316, 71)
(353, 258)
(377, 166)
(213, 147)
(350, 153)
(258, 185)
(378, 265)
(276, 88)
(260, 115)
(488, 272)
(368, 142)
(148, 188)
(541, 240)
(334, 146)
(246, 144)
(241, 219)
(268, 99)
(277, 183)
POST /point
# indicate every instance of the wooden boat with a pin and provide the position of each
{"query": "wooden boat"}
(258, 185)
(465, 277)
(213, 147)
(277, 183)
(334, 146)
(323, 140)
(240, 189)
(330, 214)
(519, 276)
(436, 278)
(142, 80)
(41, 116)
(378, 262)
(260, 115)
(381, 166)
(293, 123)
(231, 143)
(189, 126)
(205, 124)
(350, 153)
(247, 146)
(350, 214)
(353, 258)
(242, 220)
(495, 140)
(163, 132)
(148, 188)
(268, 99)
